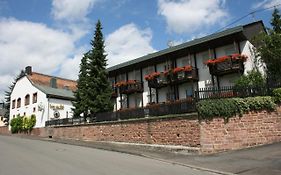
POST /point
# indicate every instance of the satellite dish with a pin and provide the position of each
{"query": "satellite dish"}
(170, 43)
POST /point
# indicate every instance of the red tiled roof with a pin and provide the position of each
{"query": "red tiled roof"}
(44, 80)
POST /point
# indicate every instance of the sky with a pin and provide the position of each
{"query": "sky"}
(52, 35)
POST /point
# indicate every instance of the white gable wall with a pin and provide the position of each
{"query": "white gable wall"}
(21, 89)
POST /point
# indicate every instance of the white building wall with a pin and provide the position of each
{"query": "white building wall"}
(21, 89)
(205, 78)
(247, 48)
(64, 107)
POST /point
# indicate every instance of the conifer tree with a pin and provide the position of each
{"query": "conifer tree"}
(276, 21)
(81, 97)
(9, 92)
(99, 87)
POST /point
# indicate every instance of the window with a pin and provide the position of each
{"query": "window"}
(18, 102)
(137, 74)
(13, 104)
(229, 50)
(148, 70)
(34, 98)
(205, 57)
(27, 100)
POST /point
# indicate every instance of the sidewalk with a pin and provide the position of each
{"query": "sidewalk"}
(253, 161)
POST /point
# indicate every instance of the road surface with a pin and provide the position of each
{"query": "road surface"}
(20, 156)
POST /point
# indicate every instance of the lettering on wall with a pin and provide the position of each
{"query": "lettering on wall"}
(57, 107)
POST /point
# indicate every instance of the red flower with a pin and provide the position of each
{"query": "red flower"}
(151, 76)
(235, 56)
(177, 69)
(131, 82)
(187, 68)
(120, 83)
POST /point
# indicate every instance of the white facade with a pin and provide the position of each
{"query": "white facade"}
(41, 106)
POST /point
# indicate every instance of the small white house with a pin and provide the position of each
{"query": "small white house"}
(45, 96)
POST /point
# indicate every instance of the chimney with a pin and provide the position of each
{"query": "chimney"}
(53, 82)
(28, 70)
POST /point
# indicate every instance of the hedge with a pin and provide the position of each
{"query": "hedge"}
(226, 108)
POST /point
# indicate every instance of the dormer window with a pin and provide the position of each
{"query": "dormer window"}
(53, 82)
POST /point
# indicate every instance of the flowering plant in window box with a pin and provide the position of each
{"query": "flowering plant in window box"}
(235, 56)
(120, 83)
(152, 76)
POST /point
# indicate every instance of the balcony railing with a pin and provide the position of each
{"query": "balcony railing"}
(175, 107)
(227, 64)
(227, 67)
(130, 87)
(185, 76)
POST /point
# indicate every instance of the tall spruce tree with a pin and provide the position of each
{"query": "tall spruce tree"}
(276, 21)
(93, 93)
(81, 102)
(9, 92)
(99, 90)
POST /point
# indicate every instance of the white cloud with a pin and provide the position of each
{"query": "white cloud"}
(127, 43)
(266, 4)
(71, 10)
(25, 43)
(187, 16)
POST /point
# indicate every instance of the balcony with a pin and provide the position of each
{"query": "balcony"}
(130, 87)
(227, 65)
(185, 76)
(159, 81)
(175, 76)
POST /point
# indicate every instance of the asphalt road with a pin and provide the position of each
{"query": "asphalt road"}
(20, 156)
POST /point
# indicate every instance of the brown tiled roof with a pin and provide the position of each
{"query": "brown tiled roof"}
(44, 80)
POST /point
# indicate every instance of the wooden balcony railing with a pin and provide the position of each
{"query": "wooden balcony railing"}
(227, 64)
(131, 87)
(227, 67)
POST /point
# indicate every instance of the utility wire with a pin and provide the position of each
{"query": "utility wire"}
(255, 11)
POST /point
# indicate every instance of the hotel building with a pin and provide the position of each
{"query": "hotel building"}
(175, 73)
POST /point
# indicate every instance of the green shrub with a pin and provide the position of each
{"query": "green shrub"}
(228, 107)
(277, 95)
(16, 124)
(253, 79)
(20, 124)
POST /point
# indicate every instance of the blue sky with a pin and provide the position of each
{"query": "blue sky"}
(52, 35)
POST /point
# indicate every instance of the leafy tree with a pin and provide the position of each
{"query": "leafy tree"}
(99, 87)
(8, 93)
(253, 79)
(81, 102)
(269, 48)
